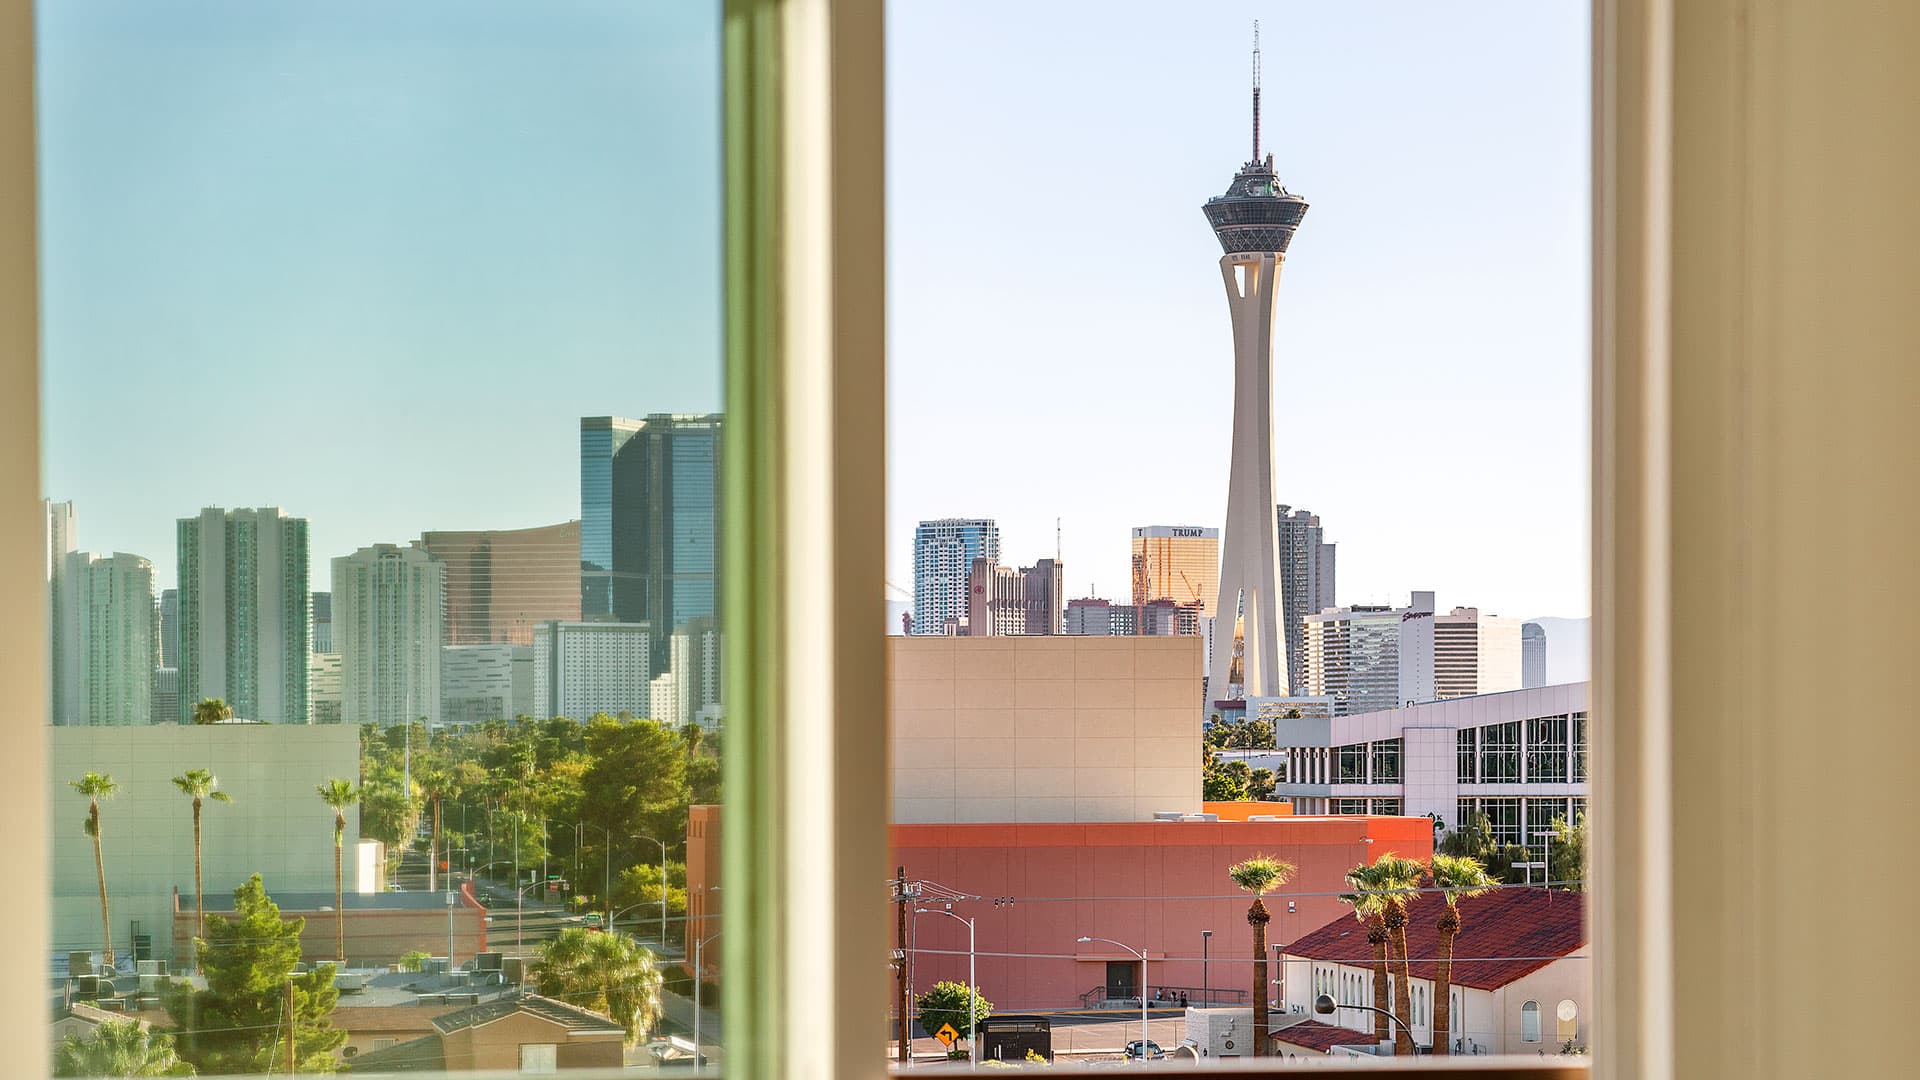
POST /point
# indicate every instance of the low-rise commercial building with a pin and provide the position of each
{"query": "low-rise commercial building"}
(1519, 757)
(275, 826)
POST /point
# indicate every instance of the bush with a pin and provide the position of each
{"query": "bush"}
(411, 961)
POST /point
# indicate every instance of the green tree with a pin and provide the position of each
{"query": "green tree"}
(211, 710)
(436, 783)
(119, 1048)
(1397, 884)
(1459, 877)
(1259, 875)
(97, 786)
(199, 785)
(1220, 783)
(1260, 785)
(338, 794)
(638, 887)
(1567, 854)
(634, 781)
(1474, 839)
(1370, 908)
(947, 1003)
(608, 973)
(239, 1022)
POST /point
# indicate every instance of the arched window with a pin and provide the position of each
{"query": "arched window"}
(1566, 1021)
(1530, 1022)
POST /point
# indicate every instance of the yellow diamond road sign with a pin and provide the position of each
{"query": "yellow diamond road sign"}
(946, 1034)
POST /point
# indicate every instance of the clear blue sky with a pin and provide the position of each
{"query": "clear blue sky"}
(367, 261)
(371, 262)
(1060, 344)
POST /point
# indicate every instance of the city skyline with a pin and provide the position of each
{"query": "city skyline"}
(1431, 355)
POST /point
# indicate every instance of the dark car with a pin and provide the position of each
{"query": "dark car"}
(1153, 1050)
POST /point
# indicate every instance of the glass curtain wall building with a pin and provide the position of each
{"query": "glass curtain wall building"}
(650, 521)
(943, 553)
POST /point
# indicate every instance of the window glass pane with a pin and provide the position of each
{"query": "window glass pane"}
(1006, 478)
(383, 452)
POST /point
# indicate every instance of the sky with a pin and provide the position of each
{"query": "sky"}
(368, 262)
(371, 263)
(1060, 347)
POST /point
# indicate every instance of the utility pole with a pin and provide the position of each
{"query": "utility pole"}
(900, 954)
(292, 1063)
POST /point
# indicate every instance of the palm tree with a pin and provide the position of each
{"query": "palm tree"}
(338, 794)
(212, 710)
(199, 785)
(1398, 883)
(119, 1048)
(96, 786)
(1460, 877)
(607, 973)
(1369, 906)
(1258, 875)
(435, 782)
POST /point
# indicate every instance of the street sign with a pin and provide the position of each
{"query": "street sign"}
(947, 1035)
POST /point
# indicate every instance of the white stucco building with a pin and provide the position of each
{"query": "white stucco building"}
(1521, 978)
(1518, 757)
(1372, 657)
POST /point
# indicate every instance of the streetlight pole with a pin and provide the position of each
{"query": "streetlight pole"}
(973, 987)
(698, 945)
(1206, 940)
(663, 885)
(1324, 1005)
(449, 932)
(519, 907)
(1142, 954)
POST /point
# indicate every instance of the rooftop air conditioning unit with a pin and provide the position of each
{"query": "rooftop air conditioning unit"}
(1168, 815)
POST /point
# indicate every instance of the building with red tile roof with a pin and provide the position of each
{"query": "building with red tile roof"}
(1521, 971)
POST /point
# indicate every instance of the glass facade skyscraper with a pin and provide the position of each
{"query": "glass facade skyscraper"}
(650, 521)
(943, 554)
(245, 613)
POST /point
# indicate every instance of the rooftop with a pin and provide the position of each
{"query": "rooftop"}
(576, 1020)
(1314, 1035)
(1504, 935)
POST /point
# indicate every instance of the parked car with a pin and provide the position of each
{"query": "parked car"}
(1153, 1050)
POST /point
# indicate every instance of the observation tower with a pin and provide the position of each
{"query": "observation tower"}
(1254, 222)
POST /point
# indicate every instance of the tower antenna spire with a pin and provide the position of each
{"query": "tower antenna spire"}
(1256, 89)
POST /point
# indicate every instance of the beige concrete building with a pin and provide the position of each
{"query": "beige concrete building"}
(276, 825)
(1035, 729)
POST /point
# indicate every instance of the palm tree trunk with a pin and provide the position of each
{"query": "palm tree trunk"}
(1377, 934)
(339, 915)
(1443, 985)
(199, 894)
(1402, 994)
(433, 850)
(100, 870)
(1258, 918)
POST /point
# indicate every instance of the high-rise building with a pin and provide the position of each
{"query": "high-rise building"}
(696, 671)
(1177, 562)
(1156, 618)
(389, 603)
(62, 532)
(1533, 655)
(1306, 580)
(1473, 654)
(1003, 601)
(245, 613)
(650, 521)
(109, 652)
(170, 628)
(324, 692)
(501, 582)
(479, 683)
(663, 698)
(584, 668)
(1353, 655)
(1254, 220)
(323, 622)
(943, 555)
(166, 696)
(1043, 596)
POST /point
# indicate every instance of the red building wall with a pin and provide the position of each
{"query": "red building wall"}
(1152, 885)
